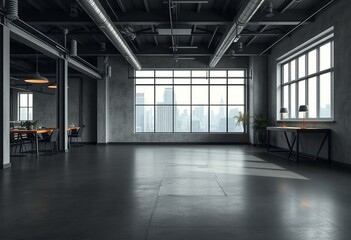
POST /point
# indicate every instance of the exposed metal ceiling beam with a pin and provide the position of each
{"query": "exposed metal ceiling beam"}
(61, 5)
(146, 5)
(261, 29)
(213, 35)
(121, 6)
(198, 7)
(225, 5)
(155, 36)
(55, 52)
(290, 17)
(286, 5)
(299, 25)
(145, 34)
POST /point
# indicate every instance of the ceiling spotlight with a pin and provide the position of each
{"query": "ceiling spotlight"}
(232, 54)
(74, 11)
(103, 47)
(269, 10)
(240, 46)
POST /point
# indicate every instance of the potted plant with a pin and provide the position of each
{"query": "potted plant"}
(242, 119)
(30, 124)
(260, 122)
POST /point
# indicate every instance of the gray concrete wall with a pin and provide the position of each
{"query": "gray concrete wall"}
(121, 101)
(337, 15)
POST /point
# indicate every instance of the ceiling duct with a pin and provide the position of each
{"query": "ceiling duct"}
(12, 9)
(244, 15)
(95, 10)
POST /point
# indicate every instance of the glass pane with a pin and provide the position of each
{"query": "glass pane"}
(164, 119)
(201, 73)
(199, 95)
(218, 73)
(182, 73)
(181, 94)
(218, 119)
(312, 97)
(302, 66)
(312, 62)
(325, 96)
(325, 57)
(218, 95)
(144, 95)
(218, 81)
(236, 95)
(292, 70)
(23, 100)
(30, 113)
(286, 99)
(293, 100)
(302, 96)
(236, 81)
(200, 119)
(144, 118)
(30, 100)
(232, 112)
(164, 95)
(200, 80)
(164, 80)
(182, 81)
(182, 119)
(236, 73)
(285, 73)
(144, 81)
(23, 114)
(164, 73)
(144, 73)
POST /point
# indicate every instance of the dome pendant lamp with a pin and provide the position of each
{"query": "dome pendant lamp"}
(36, 78)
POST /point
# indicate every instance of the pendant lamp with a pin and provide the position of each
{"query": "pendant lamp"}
(36, 78)
(53, 85)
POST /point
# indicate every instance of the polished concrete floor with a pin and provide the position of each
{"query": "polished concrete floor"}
(172, 192)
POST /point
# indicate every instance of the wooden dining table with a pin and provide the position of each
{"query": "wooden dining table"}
(36, 133)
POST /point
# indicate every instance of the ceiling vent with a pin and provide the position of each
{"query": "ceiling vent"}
(177, 30)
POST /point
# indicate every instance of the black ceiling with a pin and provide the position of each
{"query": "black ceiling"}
(138, 21)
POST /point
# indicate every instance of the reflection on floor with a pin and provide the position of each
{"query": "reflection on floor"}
(172, 192)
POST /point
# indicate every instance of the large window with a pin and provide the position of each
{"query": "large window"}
(189, 100)
(25, 106)
(307, 79)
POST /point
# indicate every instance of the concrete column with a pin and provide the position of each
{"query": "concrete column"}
(258, 90)
(102, 105)
(62, 103)
(5, 97)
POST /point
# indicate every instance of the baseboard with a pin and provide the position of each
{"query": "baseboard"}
(174, 143)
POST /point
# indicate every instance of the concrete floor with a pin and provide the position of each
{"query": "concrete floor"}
(172, 192)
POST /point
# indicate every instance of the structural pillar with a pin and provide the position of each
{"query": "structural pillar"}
(62, 106)
(5, 97)
(103, 104)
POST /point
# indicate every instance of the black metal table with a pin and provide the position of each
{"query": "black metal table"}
(296, 132)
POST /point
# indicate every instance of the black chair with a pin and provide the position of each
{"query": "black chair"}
(52, 140)
(77, 135)
(15, 141)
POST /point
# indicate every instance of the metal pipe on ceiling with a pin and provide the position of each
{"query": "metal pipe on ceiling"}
(95, 10)
(244, 15)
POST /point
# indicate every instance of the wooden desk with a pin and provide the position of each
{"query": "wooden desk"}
(296, 131)
(36, 132)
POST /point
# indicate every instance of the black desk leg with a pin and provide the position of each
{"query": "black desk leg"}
(329, 148)
(297, 147)
(37, 144)
(268, 138)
